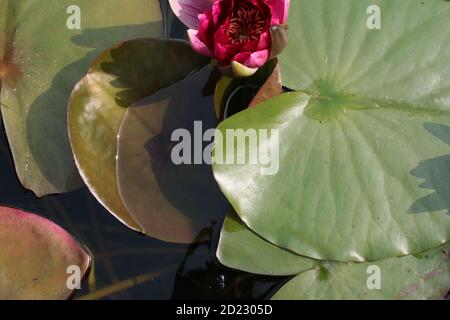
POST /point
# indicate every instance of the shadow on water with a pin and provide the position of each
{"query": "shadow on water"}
(436, 173)
(53, 157)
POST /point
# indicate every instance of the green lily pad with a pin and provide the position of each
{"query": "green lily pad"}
(118, 78)
(406, 61)
(171, 201)
(363, 153)
(425, 276)
(242, 249)
(351, 189)
(42, 56)
(36, 258)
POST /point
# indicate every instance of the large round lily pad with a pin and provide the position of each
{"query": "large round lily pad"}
(364, 151)
(118, 78)
(46, 46)
(37, 258)
(368, 185)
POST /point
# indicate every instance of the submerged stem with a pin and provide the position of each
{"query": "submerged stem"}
(122, 285)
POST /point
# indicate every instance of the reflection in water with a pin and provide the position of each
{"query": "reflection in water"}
(436, 173)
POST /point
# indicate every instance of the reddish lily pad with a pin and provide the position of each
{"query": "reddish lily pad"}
(35, 257)
(271, 88)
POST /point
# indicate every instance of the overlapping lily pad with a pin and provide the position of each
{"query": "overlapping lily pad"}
(44, 50)
(170, 199)
(120, 77)
(242, 249)
(363, 151)
(37, 257)
(424, 276)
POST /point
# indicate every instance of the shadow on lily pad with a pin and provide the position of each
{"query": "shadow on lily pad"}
(436, 173)
(47, 118)
(171, 201)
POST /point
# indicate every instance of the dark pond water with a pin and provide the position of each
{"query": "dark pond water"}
(122, 256)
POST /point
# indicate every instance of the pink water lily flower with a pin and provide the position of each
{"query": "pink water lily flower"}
(240, 35)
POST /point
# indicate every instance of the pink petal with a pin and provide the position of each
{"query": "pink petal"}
(205, 29)
(188, 10)
(221, 8)
(265, 41)
(221, 53)
(253, 60)
(197, 44)
(280, 10)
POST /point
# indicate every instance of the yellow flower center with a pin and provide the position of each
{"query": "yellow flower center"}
(246, 25)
